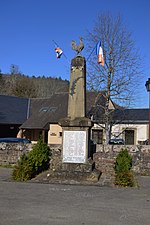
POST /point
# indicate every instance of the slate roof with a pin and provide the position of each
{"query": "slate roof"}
(45, 111)
(51, 110)
(132, 115)
(13, 110)
(38, 113)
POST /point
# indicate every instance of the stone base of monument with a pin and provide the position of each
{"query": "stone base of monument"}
(74, 175)
(69, 173)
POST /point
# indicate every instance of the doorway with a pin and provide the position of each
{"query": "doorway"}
(129, 137)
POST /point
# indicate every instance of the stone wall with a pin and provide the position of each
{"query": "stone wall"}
(11, 152)
(104, 158)
(106, 154)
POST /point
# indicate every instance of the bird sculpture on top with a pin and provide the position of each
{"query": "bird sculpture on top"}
(77, 48)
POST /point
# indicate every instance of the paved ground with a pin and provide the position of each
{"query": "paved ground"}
(5, 174)
(56, 204)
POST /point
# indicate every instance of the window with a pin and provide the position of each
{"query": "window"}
(48, 109)
(52, 109)
(44, 109)
(97, 136)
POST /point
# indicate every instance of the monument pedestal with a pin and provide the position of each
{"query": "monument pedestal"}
(76, 139)
(69, 173)
(77, 164)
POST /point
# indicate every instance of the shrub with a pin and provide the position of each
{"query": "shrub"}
(32, 163)
(123, 175)
(125, 179)
(23, 170)
(39, 157)
(123, 162)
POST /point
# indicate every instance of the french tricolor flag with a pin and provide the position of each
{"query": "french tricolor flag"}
(99, 53)
(58, 52)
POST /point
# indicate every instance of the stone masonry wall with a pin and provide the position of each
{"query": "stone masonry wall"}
(11, 152)
(106, 154)
(104, 158)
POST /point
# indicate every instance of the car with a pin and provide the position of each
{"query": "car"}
(146, 142)
(117, 141)
(15, 140)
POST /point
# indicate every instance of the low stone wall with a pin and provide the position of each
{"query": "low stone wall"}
(11, 152)
(106, 154)
(104, 158)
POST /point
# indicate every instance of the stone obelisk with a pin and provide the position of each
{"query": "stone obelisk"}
(76, 127)
(77, 90)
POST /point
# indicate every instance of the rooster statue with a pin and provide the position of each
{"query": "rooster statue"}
(77, 48)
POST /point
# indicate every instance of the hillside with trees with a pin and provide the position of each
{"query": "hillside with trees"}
(17, 84)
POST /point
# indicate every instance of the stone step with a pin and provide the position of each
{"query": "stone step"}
(67, 177)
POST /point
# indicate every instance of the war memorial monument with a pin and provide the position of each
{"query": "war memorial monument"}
(74, 163)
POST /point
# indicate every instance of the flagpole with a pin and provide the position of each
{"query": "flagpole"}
(91, 53)
(55, 43)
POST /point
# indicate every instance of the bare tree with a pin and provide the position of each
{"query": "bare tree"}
(122, 66)
(9, 83)
(14, 69)
(24, 87)
(21, 85)
(46, 87)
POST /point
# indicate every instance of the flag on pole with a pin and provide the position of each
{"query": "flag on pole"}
(58, 52)
(99, 53)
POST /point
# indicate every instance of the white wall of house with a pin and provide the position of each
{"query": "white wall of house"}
(140, 132)
(118, 131)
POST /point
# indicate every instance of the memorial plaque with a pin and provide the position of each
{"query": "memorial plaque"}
(74, 147)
